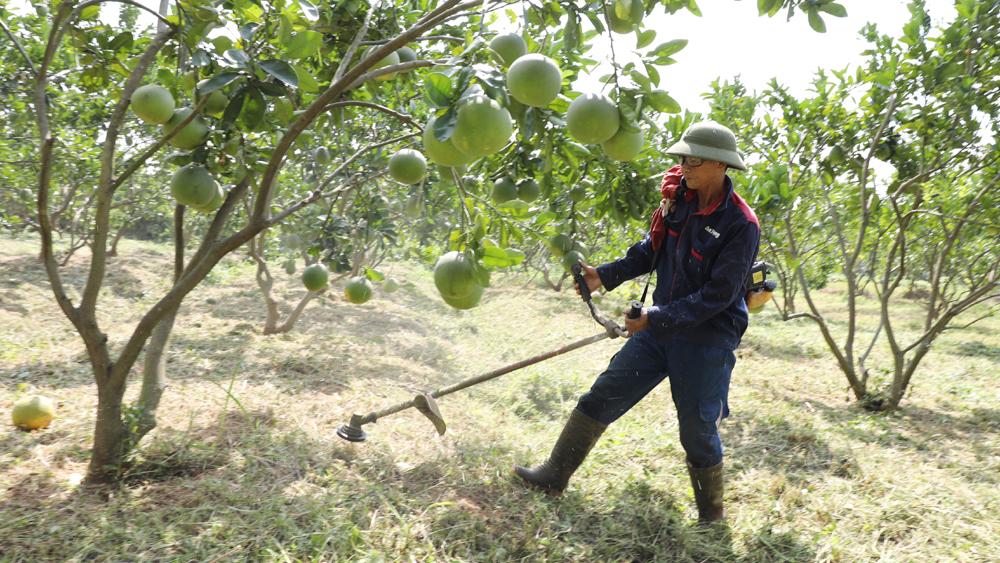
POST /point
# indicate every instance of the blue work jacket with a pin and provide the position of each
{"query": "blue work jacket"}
(701, 277)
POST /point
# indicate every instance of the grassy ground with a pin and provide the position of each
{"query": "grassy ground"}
(245, 464)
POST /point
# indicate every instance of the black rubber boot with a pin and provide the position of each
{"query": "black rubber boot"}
(578, 437)
(708, 487)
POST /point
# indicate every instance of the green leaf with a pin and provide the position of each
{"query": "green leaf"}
(306, 82)
(90, 12)
(253, 110)
(374, 275)
(303, 44)
(438, 90)
(816, 22)
(282, 71)
(652, 73)
(669, 48)
(234, 108)
(834, 9)
(661, 101)
(693, 8)
(237, 57)
(218, 81)
(644, 38)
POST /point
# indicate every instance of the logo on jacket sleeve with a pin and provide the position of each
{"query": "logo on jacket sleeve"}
(712, 231)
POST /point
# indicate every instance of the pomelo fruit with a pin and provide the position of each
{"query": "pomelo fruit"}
(153, 104)
(570, 258)
(561, 244)
(218, 198)
(467, 301)
(217, 101)
(508, 47)
(390, 59)
(444, 153)
(627, 24)
(390, 285)
(528, 190)
(315, 277)
(578, 194)
(624, 145)
(483, 127)
(504, 190)
(193, 186)
(290, 266)
(192, 135)
(407, 166)
(534, 80)
(592, 118)
(33, 413)
(455, 275)
(322, 155)
(406, 54)
(358, 290)
(757, 309)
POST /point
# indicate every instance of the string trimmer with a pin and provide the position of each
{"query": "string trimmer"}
(426, 402)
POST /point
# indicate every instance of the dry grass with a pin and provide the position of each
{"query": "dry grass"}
(245, 464)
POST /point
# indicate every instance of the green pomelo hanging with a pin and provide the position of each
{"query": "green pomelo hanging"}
(509, 47)
(444, 153)
(390, 285)
(322, 155)
(406, 54)
(153, 104)
(570, 258)
(217, 101)
(483, 127)
(578, 193)
(217, 200)
(592, 118)
(407, 166)
(624, 145)
(315, 277)
(561, 244)
(528, 190)
(504, 190)
(455, 275)
(390, 59)
(191, 135)
(467, 301)
(534, 80)
(193, 186)
(358, 290)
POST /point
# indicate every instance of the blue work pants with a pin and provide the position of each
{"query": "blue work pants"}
(699, 382)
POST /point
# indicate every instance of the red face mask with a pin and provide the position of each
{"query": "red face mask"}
(668, 188)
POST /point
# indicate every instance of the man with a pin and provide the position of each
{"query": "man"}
(704, 241)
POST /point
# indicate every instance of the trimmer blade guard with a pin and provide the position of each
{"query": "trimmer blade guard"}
(429, 408)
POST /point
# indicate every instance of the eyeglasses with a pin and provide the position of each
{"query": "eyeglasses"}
(692, 161)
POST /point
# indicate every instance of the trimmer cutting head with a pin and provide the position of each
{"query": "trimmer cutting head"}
(352, 431)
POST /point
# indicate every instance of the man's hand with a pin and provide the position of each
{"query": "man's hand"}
(633, 326)
(590, 276)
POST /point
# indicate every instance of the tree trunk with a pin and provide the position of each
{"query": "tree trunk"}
(154, 376)
(110, 433)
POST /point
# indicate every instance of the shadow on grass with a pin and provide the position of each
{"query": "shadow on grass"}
(780, 445)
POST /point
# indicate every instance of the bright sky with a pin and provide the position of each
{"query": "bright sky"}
(730, 40)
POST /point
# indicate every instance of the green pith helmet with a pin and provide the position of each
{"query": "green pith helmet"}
(711, 141)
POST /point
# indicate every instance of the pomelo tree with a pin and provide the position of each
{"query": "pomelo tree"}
(887, 178)
(288, 70)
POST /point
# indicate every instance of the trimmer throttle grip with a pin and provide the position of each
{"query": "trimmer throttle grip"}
(577, 270)
(634, 310)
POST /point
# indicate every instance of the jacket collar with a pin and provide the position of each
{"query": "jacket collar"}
(721, 203)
